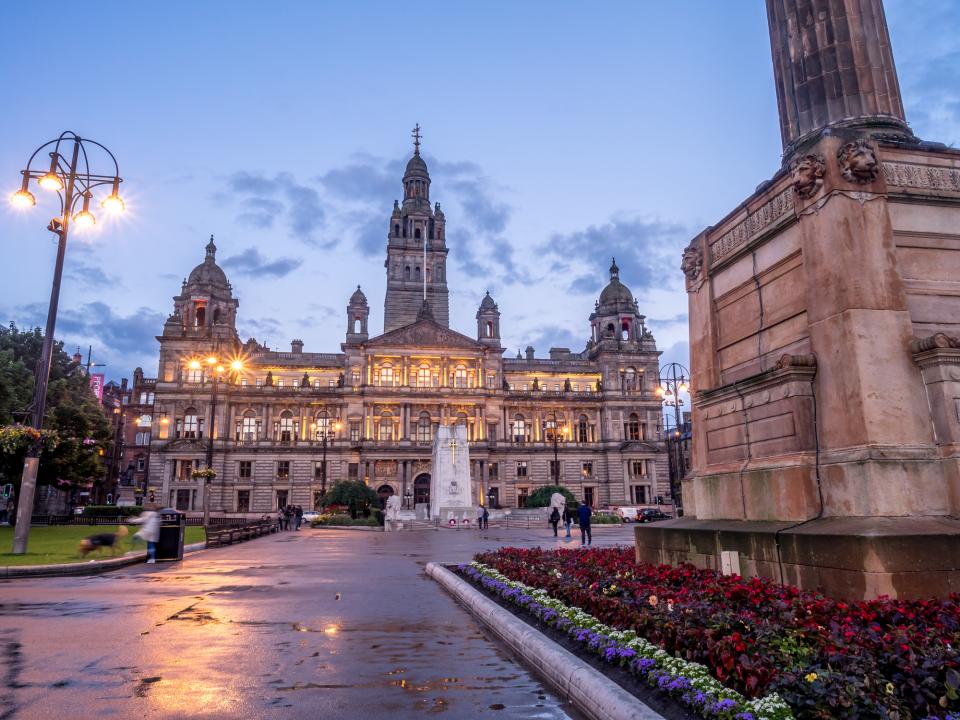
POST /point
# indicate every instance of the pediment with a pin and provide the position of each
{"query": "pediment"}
(425, 333)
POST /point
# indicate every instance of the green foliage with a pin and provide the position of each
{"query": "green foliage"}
(541, 497)
(347, 491)
(112, 510)
(337, 519)
(605, 519)
(75, 426)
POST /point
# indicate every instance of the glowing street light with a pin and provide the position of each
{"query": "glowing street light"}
(73, 185)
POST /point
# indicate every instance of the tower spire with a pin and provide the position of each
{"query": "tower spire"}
(416, 139)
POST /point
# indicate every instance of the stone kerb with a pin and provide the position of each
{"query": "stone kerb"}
(593, 694)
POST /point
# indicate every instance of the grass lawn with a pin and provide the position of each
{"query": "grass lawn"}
(58, 544)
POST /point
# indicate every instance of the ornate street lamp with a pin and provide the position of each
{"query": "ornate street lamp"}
(74, 184)
(674, 380)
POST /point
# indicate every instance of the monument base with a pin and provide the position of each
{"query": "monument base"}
(848, 558)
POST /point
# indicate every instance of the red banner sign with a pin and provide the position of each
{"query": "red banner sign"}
(96, 384)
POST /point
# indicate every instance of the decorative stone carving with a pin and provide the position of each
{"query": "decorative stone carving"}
(923, 177)
(938, 340)
(787, 360)
(692, 263)
(807, 175)
(858, 162)
(771, 212)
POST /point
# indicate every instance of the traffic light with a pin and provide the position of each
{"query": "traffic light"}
(7, 491)
(151, 496)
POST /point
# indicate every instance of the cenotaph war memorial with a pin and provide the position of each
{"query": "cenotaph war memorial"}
(825, 337)
(451, 497)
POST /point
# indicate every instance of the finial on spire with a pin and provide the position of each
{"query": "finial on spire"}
(614, 270)
(416, 139)
(211, 249)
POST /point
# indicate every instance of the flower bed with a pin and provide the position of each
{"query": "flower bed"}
(825, 658)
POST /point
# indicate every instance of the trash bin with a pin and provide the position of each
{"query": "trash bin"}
(173, 524)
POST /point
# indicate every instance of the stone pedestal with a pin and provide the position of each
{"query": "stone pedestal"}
(451, 496)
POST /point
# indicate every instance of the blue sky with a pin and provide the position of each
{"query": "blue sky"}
(557, 134)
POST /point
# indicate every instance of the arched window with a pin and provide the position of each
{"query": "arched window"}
(406, 273)
(632, 427)
(386, 427)
(416, 233)
(520, 429)
(386, 375)
(424, 428)
(583, 429)
(194, 375)
(630, 379)
(489, 332)
(191, 424)
(462, 419)
(416, 272)
(286, 426)
(460, 376)
(396, 229)
(625, 330)
(201, 316)
(611, 330)
(248, 426)
(423, 375)
(428, 274)
(551, 429)
(216, 316)
(145, 421)
(356, 325)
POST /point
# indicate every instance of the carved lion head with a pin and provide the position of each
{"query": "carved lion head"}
(692, 261)
(858, 162)
(808, 175)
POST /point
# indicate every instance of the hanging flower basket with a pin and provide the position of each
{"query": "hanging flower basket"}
(207, 474)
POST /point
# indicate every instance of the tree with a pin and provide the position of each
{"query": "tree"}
(352, 493)
(541, 496)
(76, 431)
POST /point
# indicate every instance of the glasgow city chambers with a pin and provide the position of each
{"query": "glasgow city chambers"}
(279, 427)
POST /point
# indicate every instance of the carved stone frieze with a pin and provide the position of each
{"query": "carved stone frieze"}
(807, 172)
(756, 222)
(692, 263)
(922, 177)
(858, 162)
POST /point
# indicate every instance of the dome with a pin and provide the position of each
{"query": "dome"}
(208, 272)
(487, 303)
(416, 166)
(358, 298)
(616, 293)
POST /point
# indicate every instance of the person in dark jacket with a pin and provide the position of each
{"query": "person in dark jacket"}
(568, 518)
(298, 514)
(583, 514)
(554, 520)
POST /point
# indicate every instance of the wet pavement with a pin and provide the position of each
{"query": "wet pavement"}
(317, 623)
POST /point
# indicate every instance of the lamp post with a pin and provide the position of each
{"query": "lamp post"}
(74, 186)
(217, 368)
(557, 429)
(673, 381)
(325, 433)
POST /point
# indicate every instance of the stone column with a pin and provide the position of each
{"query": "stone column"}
(833, 65)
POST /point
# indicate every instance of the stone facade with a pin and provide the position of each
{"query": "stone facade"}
(824, 316)
(379, 401)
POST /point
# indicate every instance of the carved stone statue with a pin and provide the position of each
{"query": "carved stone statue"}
(269, 380)
(692, 262)
(394, 504)
(807, 174)
(858, 162)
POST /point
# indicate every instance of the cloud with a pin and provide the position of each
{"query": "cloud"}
(264, 200)
(90, 275)
(647, 253)
(266, 329)
(123, 342)
(250, 262)
(551, 336)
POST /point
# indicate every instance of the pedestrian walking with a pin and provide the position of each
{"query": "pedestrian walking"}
(583, 515)
(298, 514)
(150, 532)
(567, 519)
(287, 517)
(485, 518)
(279, 520)
(555, 519)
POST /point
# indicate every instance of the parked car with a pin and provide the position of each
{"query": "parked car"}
(652, 515)
(309, 516)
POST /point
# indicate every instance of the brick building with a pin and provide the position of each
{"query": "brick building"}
(372, 408)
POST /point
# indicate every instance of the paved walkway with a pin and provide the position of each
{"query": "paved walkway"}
(317, 623)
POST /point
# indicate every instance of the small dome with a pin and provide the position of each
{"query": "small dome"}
(487, 303)
(416, 166)
(358, 298)
(208, 272)
(616, 293)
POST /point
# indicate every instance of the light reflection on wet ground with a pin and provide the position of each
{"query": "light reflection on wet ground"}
(321, 624)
